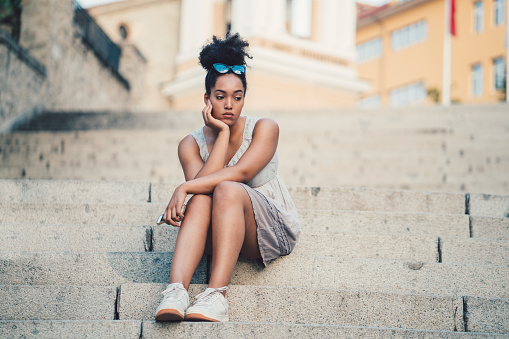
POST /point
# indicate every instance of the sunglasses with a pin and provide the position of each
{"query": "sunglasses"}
(222, 68)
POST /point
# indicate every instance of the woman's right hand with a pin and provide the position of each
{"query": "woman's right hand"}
(210, 121)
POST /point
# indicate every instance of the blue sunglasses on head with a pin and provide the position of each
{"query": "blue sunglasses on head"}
(222, 68)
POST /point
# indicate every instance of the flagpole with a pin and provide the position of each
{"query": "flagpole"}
(446, 72)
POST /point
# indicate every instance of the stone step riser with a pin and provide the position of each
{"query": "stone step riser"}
(314, 306)
(227, 330)
(51, 268)
(147, 214)
(57, 302)
(376, 275)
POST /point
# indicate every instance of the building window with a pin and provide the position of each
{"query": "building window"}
(299, 15)
(373, 101)
(478, 17)
(499, 73)
(408, 95)
(369, 50)
(498, 7)
(409, 35)
(476, 80)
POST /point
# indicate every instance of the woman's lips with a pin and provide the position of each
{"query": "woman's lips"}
(227, 115)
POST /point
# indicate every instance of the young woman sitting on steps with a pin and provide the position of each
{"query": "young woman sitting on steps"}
(239, 203)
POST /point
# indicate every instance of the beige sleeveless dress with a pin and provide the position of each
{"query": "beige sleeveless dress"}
(277, 220)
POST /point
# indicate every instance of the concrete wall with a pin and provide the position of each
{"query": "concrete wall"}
(22, 83)
(52, 68)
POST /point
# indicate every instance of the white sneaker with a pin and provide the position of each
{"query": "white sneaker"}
(210, 305)
(174, 304)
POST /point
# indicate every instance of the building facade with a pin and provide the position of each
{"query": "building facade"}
(303, 50)
(400, 50)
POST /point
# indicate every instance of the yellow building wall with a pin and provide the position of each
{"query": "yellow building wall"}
(424, 61)
(153, 27)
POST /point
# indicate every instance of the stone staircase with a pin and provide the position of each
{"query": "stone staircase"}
(84, 259)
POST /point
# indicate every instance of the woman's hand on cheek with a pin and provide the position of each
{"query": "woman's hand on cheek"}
(174, 214)
(210, 121)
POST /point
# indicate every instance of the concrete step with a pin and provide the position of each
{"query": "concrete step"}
(475, 251)
(147, 214)
(150, 329)
(424, 224)
(376, 275)
(313, 306)
(493, 228)
(339, 244)
(73, 191)
(64, 328)
(489, 315)
(75, 238)
(66, 268)
(233, 330)
(358, 199)
(342, 198)
(489, 205)
(23, 302)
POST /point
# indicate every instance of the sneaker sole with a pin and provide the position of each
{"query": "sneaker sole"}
(166, 315)
(203, 317)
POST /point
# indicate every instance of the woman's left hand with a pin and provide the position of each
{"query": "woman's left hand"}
(174, 214)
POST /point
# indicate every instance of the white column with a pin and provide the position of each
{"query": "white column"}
(195, 27)
(242, 17)
(446, 72)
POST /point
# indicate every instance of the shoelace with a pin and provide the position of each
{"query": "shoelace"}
(209, 295)
(172, 292)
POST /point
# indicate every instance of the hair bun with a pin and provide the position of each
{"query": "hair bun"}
(232, 50)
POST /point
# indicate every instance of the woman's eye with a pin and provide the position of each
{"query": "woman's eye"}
(219, 97)
(238, 98)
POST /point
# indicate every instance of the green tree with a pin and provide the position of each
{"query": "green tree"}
(10, 17)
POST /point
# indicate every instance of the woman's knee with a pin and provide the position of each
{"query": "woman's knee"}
(228, 191)
(200, 199)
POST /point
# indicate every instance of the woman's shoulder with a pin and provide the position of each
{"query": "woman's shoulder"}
(265, 124)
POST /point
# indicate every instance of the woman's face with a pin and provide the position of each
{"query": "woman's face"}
(227, 98)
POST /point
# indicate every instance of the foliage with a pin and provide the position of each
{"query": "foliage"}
(10, 16)
(434, 94)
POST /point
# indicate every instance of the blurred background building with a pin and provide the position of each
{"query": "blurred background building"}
(304, 50)
(400, 50)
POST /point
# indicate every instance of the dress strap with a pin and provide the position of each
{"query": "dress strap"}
(199, 137)
(249, 127)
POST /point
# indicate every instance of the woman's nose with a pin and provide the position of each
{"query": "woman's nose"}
(228, 103)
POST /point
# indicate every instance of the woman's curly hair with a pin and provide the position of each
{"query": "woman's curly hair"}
(232, 50)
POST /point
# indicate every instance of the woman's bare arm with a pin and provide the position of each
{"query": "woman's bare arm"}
(257, 156)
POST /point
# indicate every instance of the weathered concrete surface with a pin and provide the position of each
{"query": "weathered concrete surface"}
(493, 228)
(339, 244)
(315, 306)
(89, 329)
(375, 246)
(364, 199)
(251, 330)
(147, 214)
(487, 315)
(69, 268)
(73, 191)
(488, 205)
(23, 302)
(386, 222)
(475, 251)
(376, 275)
(82, 214)
(357, 199)
(75, 238)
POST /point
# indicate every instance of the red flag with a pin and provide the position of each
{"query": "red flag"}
(453, 21)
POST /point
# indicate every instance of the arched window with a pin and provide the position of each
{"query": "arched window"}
(123, 31)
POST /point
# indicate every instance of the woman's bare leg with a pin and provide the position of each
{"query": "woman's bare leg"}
(191, 239)
(233, 231)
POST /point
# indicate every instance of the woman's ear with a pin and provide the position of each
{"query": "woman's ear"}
(205, 98)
